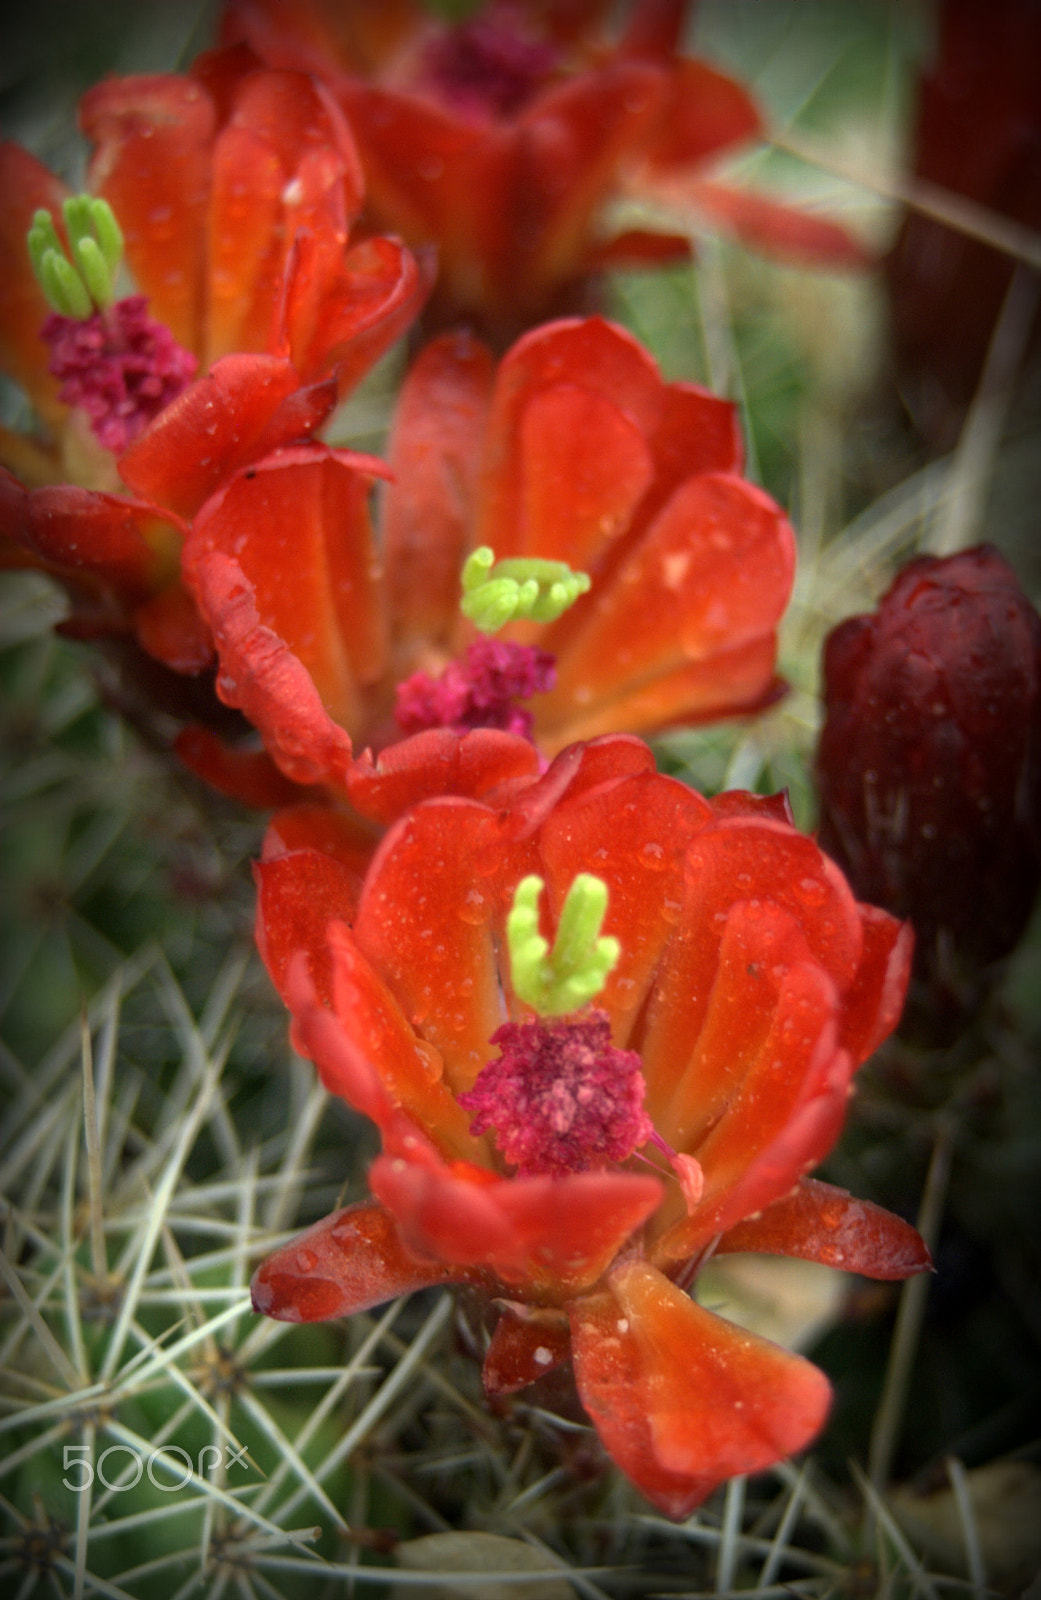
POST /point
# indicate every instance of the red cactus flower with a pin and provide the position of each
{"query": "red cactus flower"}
(235, 189)
(929, 762)
(575, 450)
(583, 1176)
(505, 137)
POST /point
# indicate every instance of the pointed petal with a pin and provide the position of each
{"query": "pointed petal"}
(283, 162)
(578, 768)
(558, 164)
(528, 1342)
(777, 229)
(701, 112)
(681, 1399)
(516, 1227)
(247, 406)
(734, 683)
(428, 525)
(818, 1222)
(348, 1262)
(697, 1055)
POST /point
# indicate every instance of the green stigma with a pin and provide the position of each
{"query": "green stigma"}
(554, 982)
(497, 592)
(83, 281)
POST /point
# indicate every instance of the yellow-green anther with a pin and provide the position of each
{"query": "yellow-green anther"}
(554, 982)
(77, 286)
(497, 592)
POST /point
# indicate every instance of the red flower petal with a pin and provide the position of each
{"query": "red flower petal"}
(581, 468)
(430, 919)
(427, 528)
(367, 1052)
(611, 362)
(701, 112)
(108, 537)
(681, 1399)
(154, 143)
(264, 679)
(343, 308)
(246, 407)
(770, 225)
(302, 888)
(872, 1007)
(477, 765)
(633, 834)
(512, 1226)
(348, 1262)
(282, 565)
(712, 573)
(818, 1222)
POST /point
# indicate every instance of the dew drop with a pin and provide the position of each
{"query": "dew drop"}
(473, 908)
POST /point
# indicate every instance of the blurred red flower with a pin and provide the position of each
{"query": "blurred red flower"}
(929, 763)
(236, 190)
(978, 135)
(750, 986)
(573, 449)
(506, 137)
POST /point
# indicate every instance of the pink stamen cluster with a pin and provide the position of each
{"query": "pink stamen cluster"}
(560, 1097)
(119, 366)
(489, 65)
(477, 692)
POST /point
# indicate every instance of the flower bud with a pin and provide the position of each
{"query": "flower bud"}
(929, 764)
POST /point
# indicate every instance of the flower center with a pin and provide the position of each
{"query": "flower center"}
(489, 65)
(113, 361)
(478, 691)
(119, 366)
(560, 1096)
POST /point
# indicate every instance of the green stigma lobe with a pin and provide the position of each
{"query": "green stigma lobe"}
(554, 982)
(497, 592)
(83, 280)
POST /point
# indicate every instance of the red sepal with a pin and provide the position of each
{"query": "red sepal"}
(818, 1222)
(348, 1262)
(528, 1342)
